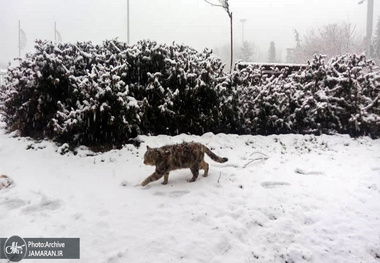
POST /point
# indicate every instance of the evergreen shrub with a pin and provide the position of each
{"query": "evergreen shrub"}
(104, 95)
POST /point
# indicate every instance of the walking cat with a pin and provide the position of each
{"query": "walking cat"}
(178, 156)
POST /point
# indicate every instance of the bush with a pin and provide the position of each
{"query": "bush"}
(340, 96)
(104, 95)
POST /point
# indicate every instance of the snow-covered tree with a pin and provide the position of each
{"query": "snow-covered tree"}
(272, 57)
(246, 51)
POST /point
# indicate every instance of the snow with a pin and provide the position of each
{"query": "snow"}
(279, 198)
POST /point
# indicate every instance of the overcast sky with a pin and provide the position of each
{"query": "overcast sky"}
(192, 22)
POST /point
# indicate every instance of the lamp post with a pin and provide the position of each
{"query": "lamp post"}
(19, 39)
(369, 24)
(242, 24)
(128, 22)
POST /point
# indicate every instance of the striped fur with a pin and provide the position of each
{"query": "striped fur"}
(178, 156)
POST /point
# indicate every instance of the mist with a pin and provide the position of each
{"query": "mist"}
(191, 22)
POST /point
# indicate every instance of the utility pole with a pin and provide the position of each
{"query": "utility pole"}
(19, 39)
(57, 35)
(232, 40)
(242, 34)
(369, 24)
(128, 22)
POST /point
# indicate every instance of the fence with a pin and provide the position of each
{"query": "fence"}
(274, 68)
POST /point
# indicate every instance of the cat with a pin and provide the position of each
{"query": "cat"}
(178, 156)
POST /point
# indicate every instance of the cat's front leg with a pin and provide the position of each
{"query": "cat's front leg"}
(166, 178)
(154, 177)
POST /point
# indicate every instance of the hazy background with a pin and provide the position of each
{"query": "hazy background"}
(192, 22)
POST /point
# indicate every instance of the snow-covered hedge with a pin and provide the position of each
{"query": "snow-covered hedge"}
(103, 95)
(340, 96)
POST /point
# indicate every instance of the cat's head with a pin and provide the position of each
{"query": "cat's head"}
(150, 156)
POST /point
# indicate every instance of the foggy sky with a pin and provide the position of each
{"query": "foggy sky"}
(192, 22)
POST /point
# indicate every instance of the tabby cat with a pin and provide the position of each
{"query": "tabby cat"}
(178, 156)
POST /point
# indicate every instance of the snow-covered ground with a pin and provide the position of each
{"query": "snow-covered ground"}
(314, 199)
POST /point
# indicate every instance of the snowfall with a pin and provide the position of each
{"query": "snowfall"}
(280, 198)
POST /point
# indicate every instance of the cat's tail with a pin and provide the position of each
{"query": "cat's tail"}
(215, 157)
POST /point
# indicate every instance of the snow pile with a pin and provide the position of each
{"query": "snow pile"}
(313, 199)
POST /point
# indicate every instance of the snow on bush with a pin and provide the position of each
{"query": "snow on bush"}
(340, 96)
(177, 87)
(103, 95)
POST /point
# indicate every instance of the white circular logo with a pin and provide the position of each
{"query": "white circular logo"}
(15, 248)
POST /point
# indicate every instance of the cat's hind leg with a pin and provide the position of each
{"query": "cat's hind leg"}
(205, 167)
(195, 171)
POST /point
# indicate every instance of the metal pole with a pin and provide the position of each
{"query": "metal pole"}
(242, 24)
(19, 39)
(128, 22)
(232, 43)
(369, 26)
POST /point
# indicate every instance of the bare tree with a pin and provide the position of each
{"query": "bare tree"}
(330, 40)
(376, 43)
(226, 6)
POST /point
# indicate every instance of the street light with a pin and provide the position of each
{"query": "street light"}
(128, 22)
(242, 23)
(369, 24)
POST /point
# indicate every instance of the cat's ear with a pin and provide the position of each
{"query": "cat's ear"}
(148, 148)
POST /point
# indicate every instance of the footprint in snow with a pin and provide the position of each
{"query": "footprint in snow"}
(172, 194)
(178, 193)
(301, 171)
(45, 204)
(273, 184)
(13, 203)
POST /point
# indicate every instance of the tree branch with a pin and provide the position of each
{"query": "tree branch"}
(264, 157)
(371, 104)
(226, 6)
(212, 4)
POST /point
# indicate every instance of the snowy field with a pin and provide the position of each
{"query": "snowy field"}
(288, 198)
